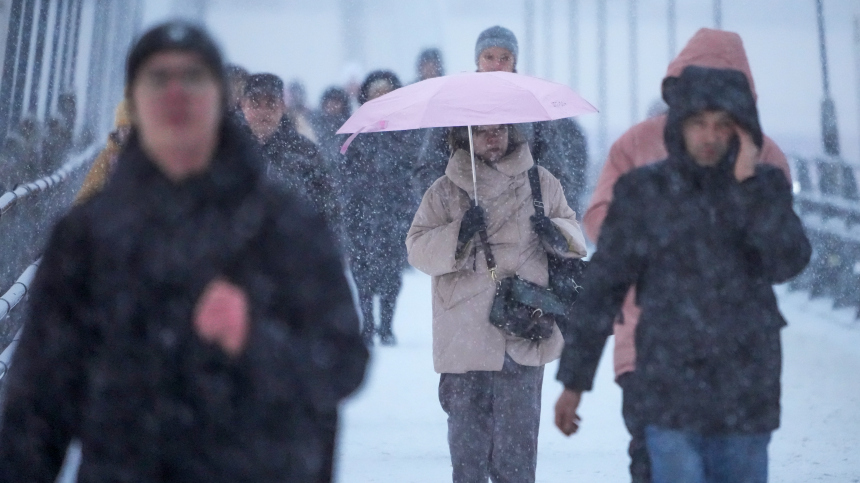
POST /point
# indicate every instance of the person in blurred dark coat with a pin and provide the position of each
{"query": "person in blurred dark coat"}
(333, 112)
(291, 159)
(429, 64)
(190, 322)
(379, 209)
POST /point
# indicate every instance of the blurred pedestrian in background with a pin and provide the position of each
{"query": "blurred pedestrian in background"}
(429, 64)
(105, 162)
(379, 206)
(290, 158)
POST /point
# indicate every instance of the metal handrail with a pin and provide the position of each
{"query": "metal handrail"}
(8, 199)
(8, 301)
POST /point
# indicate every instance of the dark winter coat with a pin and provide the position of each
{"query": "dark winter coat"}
(326, 126)
(703, 251)
(109, 355)
(380, 204)
(559, 146)
(294, 161)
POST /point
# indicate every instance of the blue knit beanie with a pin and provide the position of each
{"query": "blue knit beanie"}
(497, 37)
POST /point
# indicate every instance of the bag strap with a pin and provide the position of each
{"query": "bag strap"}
(485, 239)
(537, 197)
(537, 201)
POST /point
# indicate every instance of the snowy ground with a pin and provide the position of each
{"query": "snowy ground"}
(394, 430)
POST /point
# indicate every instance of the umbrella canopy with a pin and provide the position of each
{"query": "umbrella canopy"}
(468, 99)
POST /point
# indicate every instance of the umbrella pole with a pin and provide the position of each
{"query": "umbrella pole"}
(474, 178)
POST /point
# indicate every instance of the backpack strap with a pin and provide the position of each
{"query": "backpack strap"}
(537, 197)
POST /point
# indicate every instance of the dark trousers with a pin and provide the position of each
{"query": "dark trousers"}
(640, 463)
(493, 422)
(387, 285)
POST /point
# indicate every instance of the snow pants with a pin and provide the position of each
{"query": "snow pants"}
(493, 421)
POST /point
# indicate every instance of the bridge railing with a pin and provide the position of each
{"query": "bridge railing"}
(8, 301)
(827, 200)
(26, 216)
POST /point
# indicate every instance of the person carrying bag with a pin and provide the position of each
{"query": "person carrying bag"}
(489, 263)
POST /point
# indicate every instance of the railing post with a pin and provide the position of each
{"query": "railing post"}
(829, 129)
(13, 40)
(23, 58)
(38, 57)
(55, 47)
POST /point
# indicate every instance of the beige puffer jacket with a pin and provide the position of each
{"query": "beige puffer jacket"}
(463, 338)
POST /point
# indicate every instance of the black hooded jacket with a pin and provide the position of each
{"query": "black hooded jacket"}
(109, 355)
(295, 161)
(703, 251)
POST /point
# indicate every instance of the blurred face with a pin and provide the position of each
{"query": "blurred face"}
(496, 59)
(333, 107)
(429, 70)
(176, 106)
(263, 114)
(707, 136)
(378, 89)
(490, 142)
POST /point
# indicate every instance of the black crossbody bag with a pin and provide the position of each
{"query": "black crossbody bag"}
(565, 274)
(525, 309)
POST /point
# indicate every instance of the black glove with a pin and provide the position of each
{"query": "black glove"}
(473, 222)
(547, 232)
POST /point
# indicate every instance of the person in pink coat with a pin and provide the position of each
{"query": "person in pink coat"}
(641, 145)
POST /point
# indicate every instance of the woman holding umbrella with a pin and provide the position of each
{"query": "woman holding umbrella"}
(491, 380)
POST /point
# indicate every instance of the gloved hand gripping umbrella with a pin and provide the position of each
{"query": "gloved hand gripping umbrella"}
(469, 99)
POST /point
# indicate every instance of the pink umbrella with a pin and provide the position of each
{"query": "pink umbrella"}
(469, 99)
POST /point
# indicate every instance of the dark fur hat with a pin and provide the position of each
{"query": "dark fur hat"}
(705, 89)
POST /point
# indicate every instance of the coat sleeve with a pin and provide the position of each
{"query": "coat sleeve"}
(313, 340)
(618, 163)
(614, 268)
(432, 239)
(43, 389)
(773, 231)
(563, 217)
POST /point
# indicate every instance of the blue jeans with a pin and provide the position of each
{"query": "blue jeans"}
(679, 456)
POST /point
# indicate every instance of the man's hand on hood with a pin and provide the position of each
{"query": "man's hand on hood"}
(748, 155)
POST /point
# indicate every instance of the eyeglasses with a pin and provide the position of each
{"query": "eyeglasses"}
(193, 79)
(496, 132)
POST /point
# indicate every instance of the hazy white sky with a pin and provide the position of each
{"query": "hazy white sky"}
(303, 39)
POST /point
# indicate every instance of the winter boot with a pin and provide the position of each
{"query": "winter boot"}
(367, 331)
(386, 316)
(367, 327)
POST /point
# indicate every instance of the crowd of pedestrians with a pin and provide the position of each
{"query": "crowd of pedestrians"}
(192, 318)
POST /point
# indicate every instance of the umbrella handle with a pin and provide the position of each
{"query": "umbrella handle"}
(474, 177)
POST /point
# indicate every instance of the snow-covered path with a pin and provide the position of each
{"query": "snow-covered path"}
(393, 430)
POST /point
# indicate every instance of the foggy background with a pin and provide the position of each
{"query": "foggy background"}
(325, 42)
